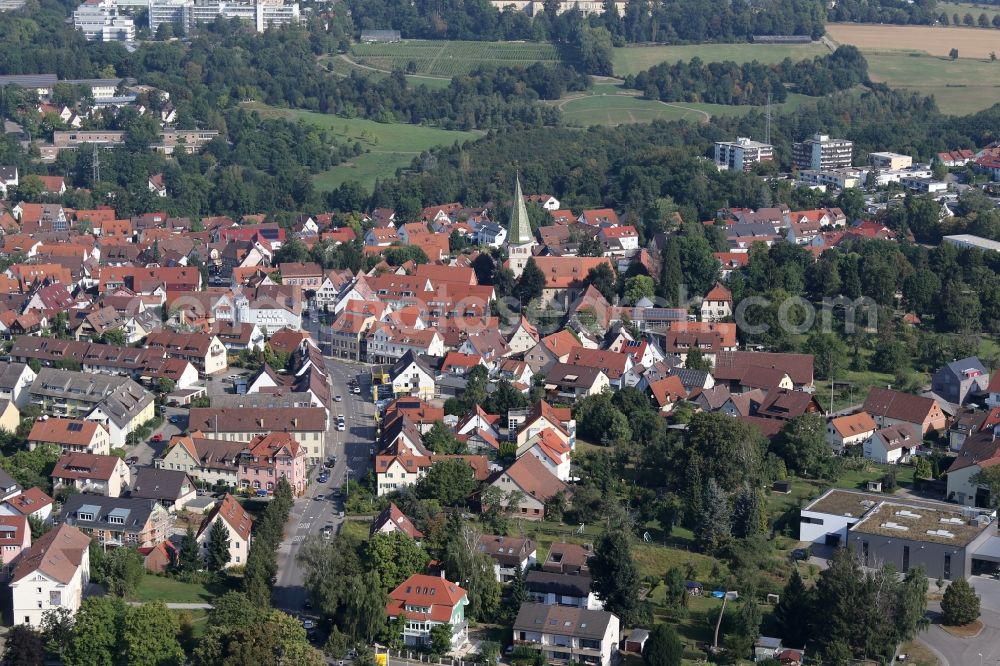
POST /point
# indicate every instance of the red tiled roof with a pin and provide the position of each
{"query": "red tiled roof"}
(420, 590)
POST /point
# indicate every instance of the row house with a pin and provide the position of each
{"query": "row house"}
(203, 350)
(306, 425)
(267, 458)
(395, 471)
(308, 275)
(387, 343)
(211, 461)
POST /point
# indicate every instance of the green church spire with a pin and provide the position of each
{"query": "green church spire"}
(519, 230)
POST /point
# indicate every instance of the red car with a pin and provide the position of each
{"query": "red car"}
(158, 437)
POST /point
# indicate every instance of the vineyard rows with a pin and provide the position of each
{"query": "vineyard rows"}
(451, 58)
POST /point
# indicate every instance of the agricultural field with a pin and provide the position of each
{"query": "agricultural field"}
(342, 65)
(916, 58)
(634, 59)
(389, 146)
(450, 58)
(934, 40)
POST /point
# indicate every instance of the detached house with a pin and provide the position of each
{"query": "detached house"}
(236, 521)
(717, 304)
(70, 435)
(52, 574)
(393, 520)
(890, 407)
(91, 473)
(509, 555)
(561, 589)
(958, 380)
(567, 634)
(427, 602)
(849, 430)
(564, 381)
(551, 450)
(410, 375)
(536, 484)
(891, 445)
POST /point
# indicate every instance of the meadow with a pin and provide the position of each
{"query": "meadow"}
(389, 145)
(963, 8)
(451, 58)
(634, 59)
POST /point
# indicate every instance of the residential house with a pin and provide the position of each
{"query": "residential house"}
(567, 558)
(565, 381)
(561, 589)
(91, 473)
(117, 521)
(889, 407)
(551, 450)
(510, 555)
(611, 363)
(667, 392)
(10, 416)
(237, 522)
(957, 381)
(171, 488)
(52, 574)
(550, 350)
(568, 634)
(118, 403)
(712, 339)
(427, 602)
(891, 445)
(348, 333)
(308, 275)
(717, 304)
(267, 458)
(306, 425)
(524, 337)
(785, 405)
(393, 520)
(15, 380)
(733, 368)
(203, 350)
(979, 452)
(70, 435)
(156, 185)
(420, 412)
(993, 391)
(565, 277)
(211, 461)
(15, 539)
(399, 470)
(849, 430)
(537, 485)
(32, 503)
(410, 375)
(543, 416)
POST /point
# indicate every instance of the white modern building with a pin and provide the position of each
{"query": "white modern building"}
(821, 153)
(185, 14)
(102, 21)
(742, 154)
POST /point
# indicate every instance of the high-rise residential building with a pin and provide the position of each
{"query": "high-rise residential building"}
(742, 154)
(102, 21)
(183, 15)
(820, 152)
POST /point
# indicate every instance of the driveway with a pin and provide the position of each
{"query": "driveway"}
(954, 651)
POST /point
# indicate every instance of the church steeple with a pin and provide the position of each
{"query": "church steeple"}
(519, 230)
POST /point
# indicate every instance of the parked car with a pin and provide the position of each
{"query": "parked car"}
(158, 437)
(175, 418)
(308, 624)
(338, 398)
(336, 492)
(320, 497)
(357, 389)
(132, 460)
(800, 554)
(328, 464)
(323, 478)
(261, 493)
(341, 426)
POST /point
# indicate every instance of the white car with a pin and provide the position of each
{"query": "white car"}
(308, 624)
(341, 426)
(338, 398)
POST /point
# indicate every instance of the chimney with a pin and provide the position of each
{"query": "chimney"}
(295, 422)
(442, 575)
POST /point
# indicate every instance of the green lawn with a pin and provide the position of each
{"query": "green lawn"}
(342, 67)
(390, 146)
(963, 8)
(634, 59)
(169, 590)
(960, 86)
(450, 58)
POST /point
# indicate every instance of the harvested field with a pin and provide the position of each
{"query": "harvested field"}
(935, 40)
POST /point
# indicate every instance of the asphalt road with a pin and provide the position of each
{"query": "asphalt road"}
(353, 449)
(954, 651)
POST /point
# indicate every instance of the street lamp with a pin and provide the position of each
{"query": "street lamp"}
(980, 659)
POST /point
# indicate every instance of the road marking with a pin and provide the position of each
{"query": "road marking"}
(304, 526)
